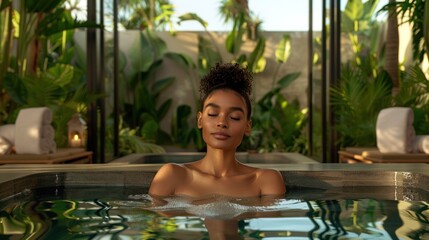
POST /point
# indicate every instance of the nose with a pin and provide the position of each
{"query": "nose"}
(222, 122)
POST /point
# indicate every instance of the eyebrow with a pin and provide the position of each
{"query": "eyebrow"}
(214, 105)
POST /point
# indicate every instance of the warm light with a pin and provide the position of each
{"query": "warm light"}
(76, 131)
(76, 141)
(76, 137)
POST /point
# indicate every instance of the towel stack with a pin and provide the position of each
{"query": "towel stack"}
(396, 134)
(34, 133)
(395, 131)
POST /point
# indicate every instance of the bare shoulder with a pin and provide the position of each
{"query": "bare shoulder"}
(172, 168)
(268, 175)
(271, 182)
(166, 178)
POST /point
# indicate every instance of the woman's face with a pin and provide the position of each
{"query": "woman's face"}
(223, 120)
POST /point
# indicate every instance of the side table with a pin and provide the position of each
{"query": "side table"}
(63, 155)
(372, 155)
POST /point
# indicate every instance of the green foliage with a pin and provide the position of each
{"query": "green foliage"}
(142, 109)
(416, 13)
(231, 10)
(146, 14)
(137, 140)
(58, 21)
(183, 133)
(35, 6)
(283, 49)
(208, 56)
(364, 87)
(130, 142)
(357, 100)
(234, 40)
(277, 124)
(256, 61)
(414, 93)
(357, 20)
(192, 16)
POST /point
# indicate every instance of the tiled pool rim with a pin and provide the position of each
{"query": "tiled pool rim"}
(263, 158)
(408, 181)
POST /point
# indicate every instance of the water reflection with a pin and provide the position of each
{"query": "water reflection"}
(135, 218)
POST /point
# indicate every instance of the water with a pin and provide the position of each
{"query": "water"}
(128, 213)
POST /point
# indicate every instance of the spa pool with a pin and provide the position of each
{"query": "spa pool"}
(244, 157)
(113, 204)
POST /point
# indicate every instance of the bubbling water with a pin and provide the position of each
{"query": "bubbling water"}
(214, 206)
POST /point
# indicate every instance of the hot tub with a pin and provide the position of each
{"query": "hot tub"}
(110, 201)
(244, 157)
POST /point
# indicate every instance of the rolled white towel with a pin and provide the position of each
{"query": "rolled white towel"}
(28, 130)
(421, 143)
(395, 131)
(35, 115)
(8, 132)
(48, 132)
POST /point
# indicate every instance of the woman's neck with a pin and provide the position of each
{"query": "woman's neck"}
(219, 163)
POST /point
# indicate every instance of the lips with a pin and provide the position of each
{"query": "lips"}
(220, 135)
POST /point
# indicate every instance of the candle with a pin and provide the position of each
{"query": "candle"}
(76, 141)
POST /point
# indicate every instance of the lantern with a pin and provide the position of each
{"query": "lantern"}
(76, 131)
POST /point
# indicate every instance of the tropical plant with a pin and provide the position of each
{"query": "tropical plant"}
(37, 71)
(414, 93)
(416, 13)
(182, 131)
(357, 100)
(209, 53)
(364, 87)
(140, 107)
(147, 14)
(140, 104)
(276, 122)
(358, 22)
(132, 141)
(360, 96)
(233, 9)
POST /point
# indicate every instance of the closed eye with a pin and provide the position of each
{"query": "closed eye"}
(212, 114)
(236, 118)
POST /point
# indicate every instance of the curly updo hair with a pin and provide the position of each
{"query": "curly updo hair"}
(228, 76)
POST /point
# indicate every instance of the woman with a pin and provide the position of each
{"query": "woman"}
(224, 119)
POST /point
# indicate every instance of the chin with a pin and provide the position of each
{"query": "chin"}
(226, 145)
